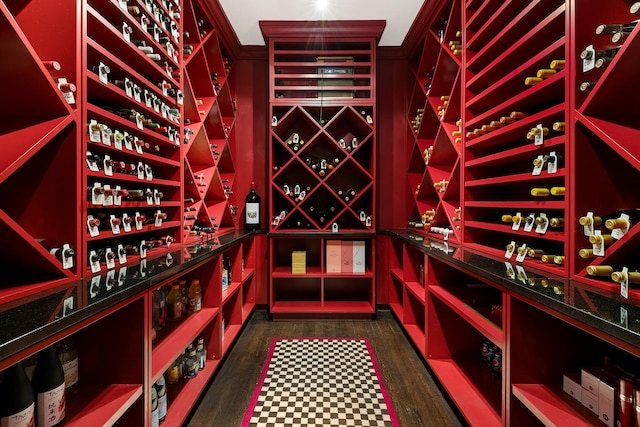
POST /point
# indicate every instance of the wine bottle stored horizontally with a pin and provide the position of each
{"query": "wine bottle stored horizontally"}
(17, 405)
(252, 209)
(49, 389)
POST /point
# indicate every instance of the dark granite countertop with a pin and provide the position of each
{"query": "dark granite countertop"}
(38, 316)
(606, 311)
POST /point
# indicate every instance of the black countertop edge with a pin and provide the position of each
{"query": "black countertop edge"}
(457, 256)
(130, 287)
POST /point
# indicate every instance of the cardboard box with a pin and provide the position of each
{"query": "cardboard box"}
(589, 400)
(606, 403)
(359, 257)
(346, 258)
(299, 262)
(571, 386)
(334, 256)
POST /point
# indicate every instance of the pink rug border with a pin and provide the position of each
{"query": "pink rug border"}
(263, 375)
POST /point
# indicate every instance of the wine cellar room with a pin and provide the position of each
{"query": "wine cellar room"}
(174, 171)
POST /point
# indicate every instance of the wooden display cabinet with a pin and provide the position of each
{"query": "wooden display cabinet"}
(504, 109)
(319, 276)
(434, 144)
(323, 163)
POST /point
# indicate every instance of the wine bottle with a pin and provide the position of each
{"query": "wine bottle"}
(599, 270)
(615, 28)
(17, 405)
(628, 276)
(48, 387)
(68, 356)
(595, 54)
(155, 420)
(601, 239)
(252, 209)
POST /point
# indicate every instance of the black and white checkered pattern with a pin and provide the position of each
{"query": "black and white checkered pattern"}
(321, 382)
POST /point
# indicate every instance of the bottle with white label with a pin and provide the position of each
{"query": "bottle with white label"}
(48, 387)
(17, 406)
(252, 209)
(161, 388)
(68, 356)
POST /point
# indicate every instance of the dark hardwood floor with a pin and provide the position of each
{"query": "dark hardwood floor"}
(416, 399)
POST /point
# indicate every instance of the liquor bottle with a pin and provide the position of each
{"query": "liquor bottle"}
(624, 411)
(48, 387)
(161, 389)
(191, 365)
(17, 405)
(195, 296)
(155, 421)
(68, 355)
(201, 354)
(252, 209)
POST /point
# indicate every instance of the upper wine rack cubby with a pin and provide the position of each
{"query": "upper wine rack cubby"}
(329, 64)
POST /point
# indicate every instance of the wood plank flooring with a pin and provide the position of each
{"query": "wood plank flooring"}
(416, 399)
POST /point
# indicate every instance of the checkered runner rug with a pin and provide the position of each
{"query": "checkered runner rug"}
(320, 382)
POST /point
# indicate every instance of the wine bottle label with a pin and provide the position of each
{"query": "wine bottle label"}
(522, 253)
(51, 406)
(624, 285)
(598, 247)
(543, 225)
(70, 369)
(529, 222)
(588, 56)
(509, 270)
(510, 249)
(516, 225)
(23, 418)
(521, 274)
(252, 213)
(538, 165)
(539, 136)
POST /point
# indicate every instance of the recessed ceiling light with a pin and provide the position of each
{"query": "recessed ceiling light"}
(322, 4)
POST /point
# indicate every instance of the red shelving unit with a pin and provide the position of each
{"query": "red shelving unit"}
(435, 124)
(602, 138)
(504, 160)
(225, 308)
(323, 162)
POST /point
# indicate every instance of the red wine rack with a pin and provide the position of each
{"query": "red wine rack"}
(605, 159)
(503, 110)
(40, 141)
(323, 134)
(435, 127)
(323, 164)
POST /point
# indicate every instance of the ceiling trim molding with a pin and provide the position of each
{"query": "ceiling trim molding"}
(327, 29)
(224, 28)
(415, 36)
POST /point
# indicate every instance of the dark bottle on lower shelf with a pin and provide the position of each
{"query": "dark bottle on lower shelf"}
(49, 388)
(17, 405)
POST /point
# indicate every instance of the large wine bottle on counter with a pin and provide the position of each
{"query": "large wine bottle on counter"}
(48, 386)
(17, 407)
(252, 209)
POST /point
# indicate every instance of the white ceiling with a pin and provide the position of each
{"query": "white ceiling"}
(245, 14)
